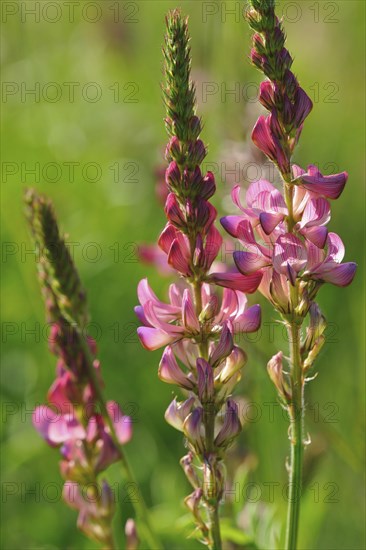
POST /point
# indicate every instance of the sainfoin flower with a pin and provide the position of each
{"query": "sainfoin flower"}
(198, 324)
(309, 252)
(284, 234)
(88, 432)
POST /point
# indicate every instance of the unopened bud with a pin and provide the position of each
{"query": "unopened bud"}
(132, 541)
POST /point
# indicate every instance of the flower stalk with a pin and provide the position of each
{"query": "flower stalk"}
(89, 431)
(284, 235)
(198, 325)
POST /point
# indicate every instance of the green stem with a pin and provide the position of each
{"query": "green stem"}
(139, 504)
(296, 407)
(296, 412)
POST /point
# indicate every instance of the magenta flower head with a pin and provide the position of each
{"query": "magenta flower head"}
(198, 324)
(284, 234)
(88, 431)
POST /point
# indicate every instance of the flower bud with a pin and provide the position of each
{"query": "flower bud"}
(194, 127)
(234, 362)
(317, 325)
(210, 310)
(177, 412)
(173, 176)
(231, 426)
(132, 540)
(205, 381)
(193, 502)
(223, 348)
(106, 503)
(208, 187)
(193, 428)
(174, 212)
(173, 150)
(191, 474)
(170, 372)
(313, 353)
(266, 96)
(275, 371)
(196, 152)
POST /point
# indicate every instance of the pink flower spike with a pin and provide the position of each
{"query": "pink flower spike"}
(313, 180)
(170, 372)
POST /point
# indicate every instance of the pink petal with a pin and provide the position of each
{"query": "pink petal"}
(230, 224)
(249, 321)
(122, 423)
(145, 293)
(237, 281)
(170, 372)
(316, 256)
(317, 235)
(64, 428)
(205, 380)
(255, 188)
(290, 250)
(336, 248)
(316, 212)
(212, 246)
(189, 316)
(270, 221)
(339, 275)
(297, 171)
(229, 305)
(277, 202)
(262, 137)
(179, 255)
(235, 195)
(167, 237)
(249, 262)
(153, 338)
(329, 186)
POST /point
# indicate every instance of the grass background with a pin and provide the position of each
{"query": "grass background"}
(110, 126)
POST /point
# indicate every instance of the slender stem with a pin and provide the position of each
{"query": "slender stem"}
(138, 504)
(296, 407)
(296, 411)
(215, 527)
(209, 415)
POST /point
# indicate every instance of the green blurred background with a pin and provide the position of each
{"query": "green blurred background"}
(92, 132)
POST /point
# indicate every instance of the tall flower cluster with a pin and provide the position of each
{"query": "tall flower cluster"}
(197, 326)
(285, 234)
(74, 419)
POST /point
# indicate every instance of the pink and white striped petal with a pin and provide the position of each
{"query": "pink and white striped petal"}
(289, 251)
